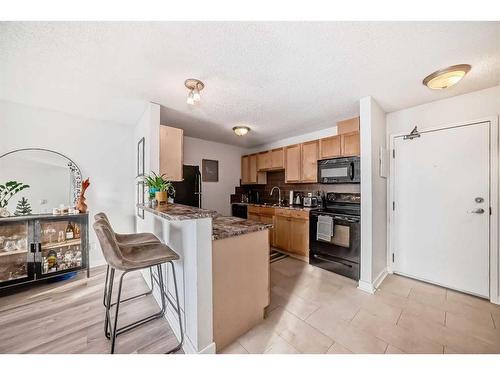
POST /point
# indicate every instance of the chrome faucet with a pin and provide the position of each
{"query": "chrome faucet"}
(279, 194)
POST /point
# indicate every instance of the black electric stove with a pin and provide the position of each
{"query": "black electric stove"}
(340, 252)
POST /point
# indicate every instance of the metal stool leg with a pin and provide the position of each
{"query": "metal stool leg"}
(107, 304)
(114, 332)
(177, 310)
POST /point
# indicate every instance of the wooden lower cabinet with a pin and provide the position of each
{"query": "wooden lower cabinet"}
(299, 236)
(268, 220)
(282, 232)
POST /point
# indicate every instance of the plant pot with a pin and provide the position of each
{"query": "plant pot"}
(161, 197)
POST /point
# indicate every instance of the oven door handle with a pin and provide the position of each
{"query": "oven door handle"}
(351, 171)
(331, 260)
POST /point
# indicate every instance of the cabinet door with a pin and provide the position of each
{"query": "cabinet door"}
(292, 163)
(252, 169)
(350, 144)
(264, 161)
(253, 216)
(171, 152)
(16, 263)
(299, 236)
(282, 232)
(245, 178)
(309, 161)
(266, 219)
(277, 159)
(330, 147)
(348, 126)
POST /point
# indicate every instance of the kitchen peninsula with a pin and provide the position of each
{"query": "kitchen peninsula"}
(223, 272)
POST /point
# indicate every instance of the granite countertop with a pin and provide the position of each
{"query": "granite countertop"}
(230, 226)
(177, 212)
(298, 208)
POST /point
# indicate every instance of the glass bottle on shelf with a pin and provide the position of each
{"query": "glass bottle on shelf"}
(70, 231)
(77, 230)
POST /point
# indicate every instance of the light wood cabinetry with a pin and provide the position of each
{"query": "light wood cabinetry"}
(171, 152)
(350, 144)
(264, 161)
(309, 161)
(348, 126)
(330, 147)
(277, 158)
(245, 170)
(300, 161)
(292, 163)
(249, 172)
(264, 215)
(292, 231)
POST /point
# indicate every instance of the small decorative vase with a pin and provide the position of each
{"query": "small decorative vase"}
(81, 205)
(161, 197)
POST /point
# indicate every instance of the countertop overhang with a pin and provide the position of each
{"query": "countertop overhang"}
(177, 212)
(230, 226)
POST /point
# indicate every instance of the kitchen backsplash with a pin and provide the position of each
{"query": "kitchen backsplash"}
(277, 178)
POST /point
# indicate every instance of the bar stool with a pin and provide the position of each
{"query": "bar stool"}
(125, 240)
(128, 258)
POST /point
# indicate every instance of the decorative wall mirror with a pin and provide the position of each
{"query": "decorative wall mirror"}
(53, 179)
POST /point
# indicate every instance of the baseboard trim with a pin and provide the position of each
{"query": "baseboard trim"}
(378, 280)
(366, 287)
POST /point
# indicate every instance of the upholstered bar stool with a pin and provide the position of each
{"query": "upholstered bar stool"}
(126, 240)
(134, 257)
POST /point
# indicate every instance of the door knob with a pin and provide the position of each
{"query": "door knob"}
(478, 211)
(479, 200)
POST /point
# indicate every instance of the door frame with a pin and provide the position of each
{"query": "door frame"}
(494, 251)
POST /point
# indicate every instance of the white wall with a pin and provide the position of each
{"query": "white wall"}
(101, 149)
(459, 109)
(373, 195)
(462, 108)
(216, 195)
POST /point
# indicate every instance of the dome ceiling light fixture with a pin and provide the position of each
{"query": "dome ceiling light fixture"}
(446, 77)
(241, 130)
(194, 86)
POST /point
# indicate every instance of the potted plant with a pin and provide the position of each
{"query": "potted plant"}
(159, 187)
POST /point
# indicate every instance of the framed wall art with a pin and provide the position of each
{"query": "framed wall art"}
(210, 170)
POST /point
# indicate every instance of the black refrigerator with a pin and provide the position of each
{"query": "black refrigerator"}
(188, 191)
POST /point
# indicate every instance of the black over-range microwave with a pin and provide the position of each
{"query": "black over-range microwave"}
(339, 171)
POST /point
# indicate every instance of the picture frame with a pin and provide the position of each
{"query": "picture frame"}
(140, 157)
(209, 170)
(140, 198)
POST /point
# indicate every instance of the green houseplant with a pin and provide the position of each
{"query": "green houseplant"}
(159, 187)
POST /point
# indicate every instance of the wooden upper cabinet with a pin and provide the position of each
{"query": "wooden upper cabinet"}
(277, 158)
(309, 162)
(330, 147)
(292, 163)
(252, 169)
(171, 152)
(350, 144)
(249, 173)
(348, 126)
(245, 176)
(264, 161)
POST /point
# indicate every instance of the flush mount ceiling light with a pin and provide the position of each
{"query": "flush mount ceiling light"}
(194, 86)
(241, 130)
(446, 77)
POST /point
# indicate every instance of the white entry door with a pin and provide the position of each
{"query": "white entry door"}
(441, 207)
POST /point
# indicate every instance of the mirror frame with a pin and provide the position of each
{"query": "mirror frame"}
(76, 173)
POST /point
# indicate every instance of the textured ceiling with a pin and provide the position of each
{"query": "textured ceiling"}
(281, 78)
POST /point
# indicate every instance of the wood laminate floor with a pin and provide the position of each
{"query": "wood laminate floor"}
(68, 317)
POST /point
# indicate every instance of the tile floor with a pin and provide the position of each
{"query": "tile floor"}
(315, 311)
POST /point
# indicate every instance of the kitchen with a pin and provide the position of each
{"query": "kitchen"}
(306, 177)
